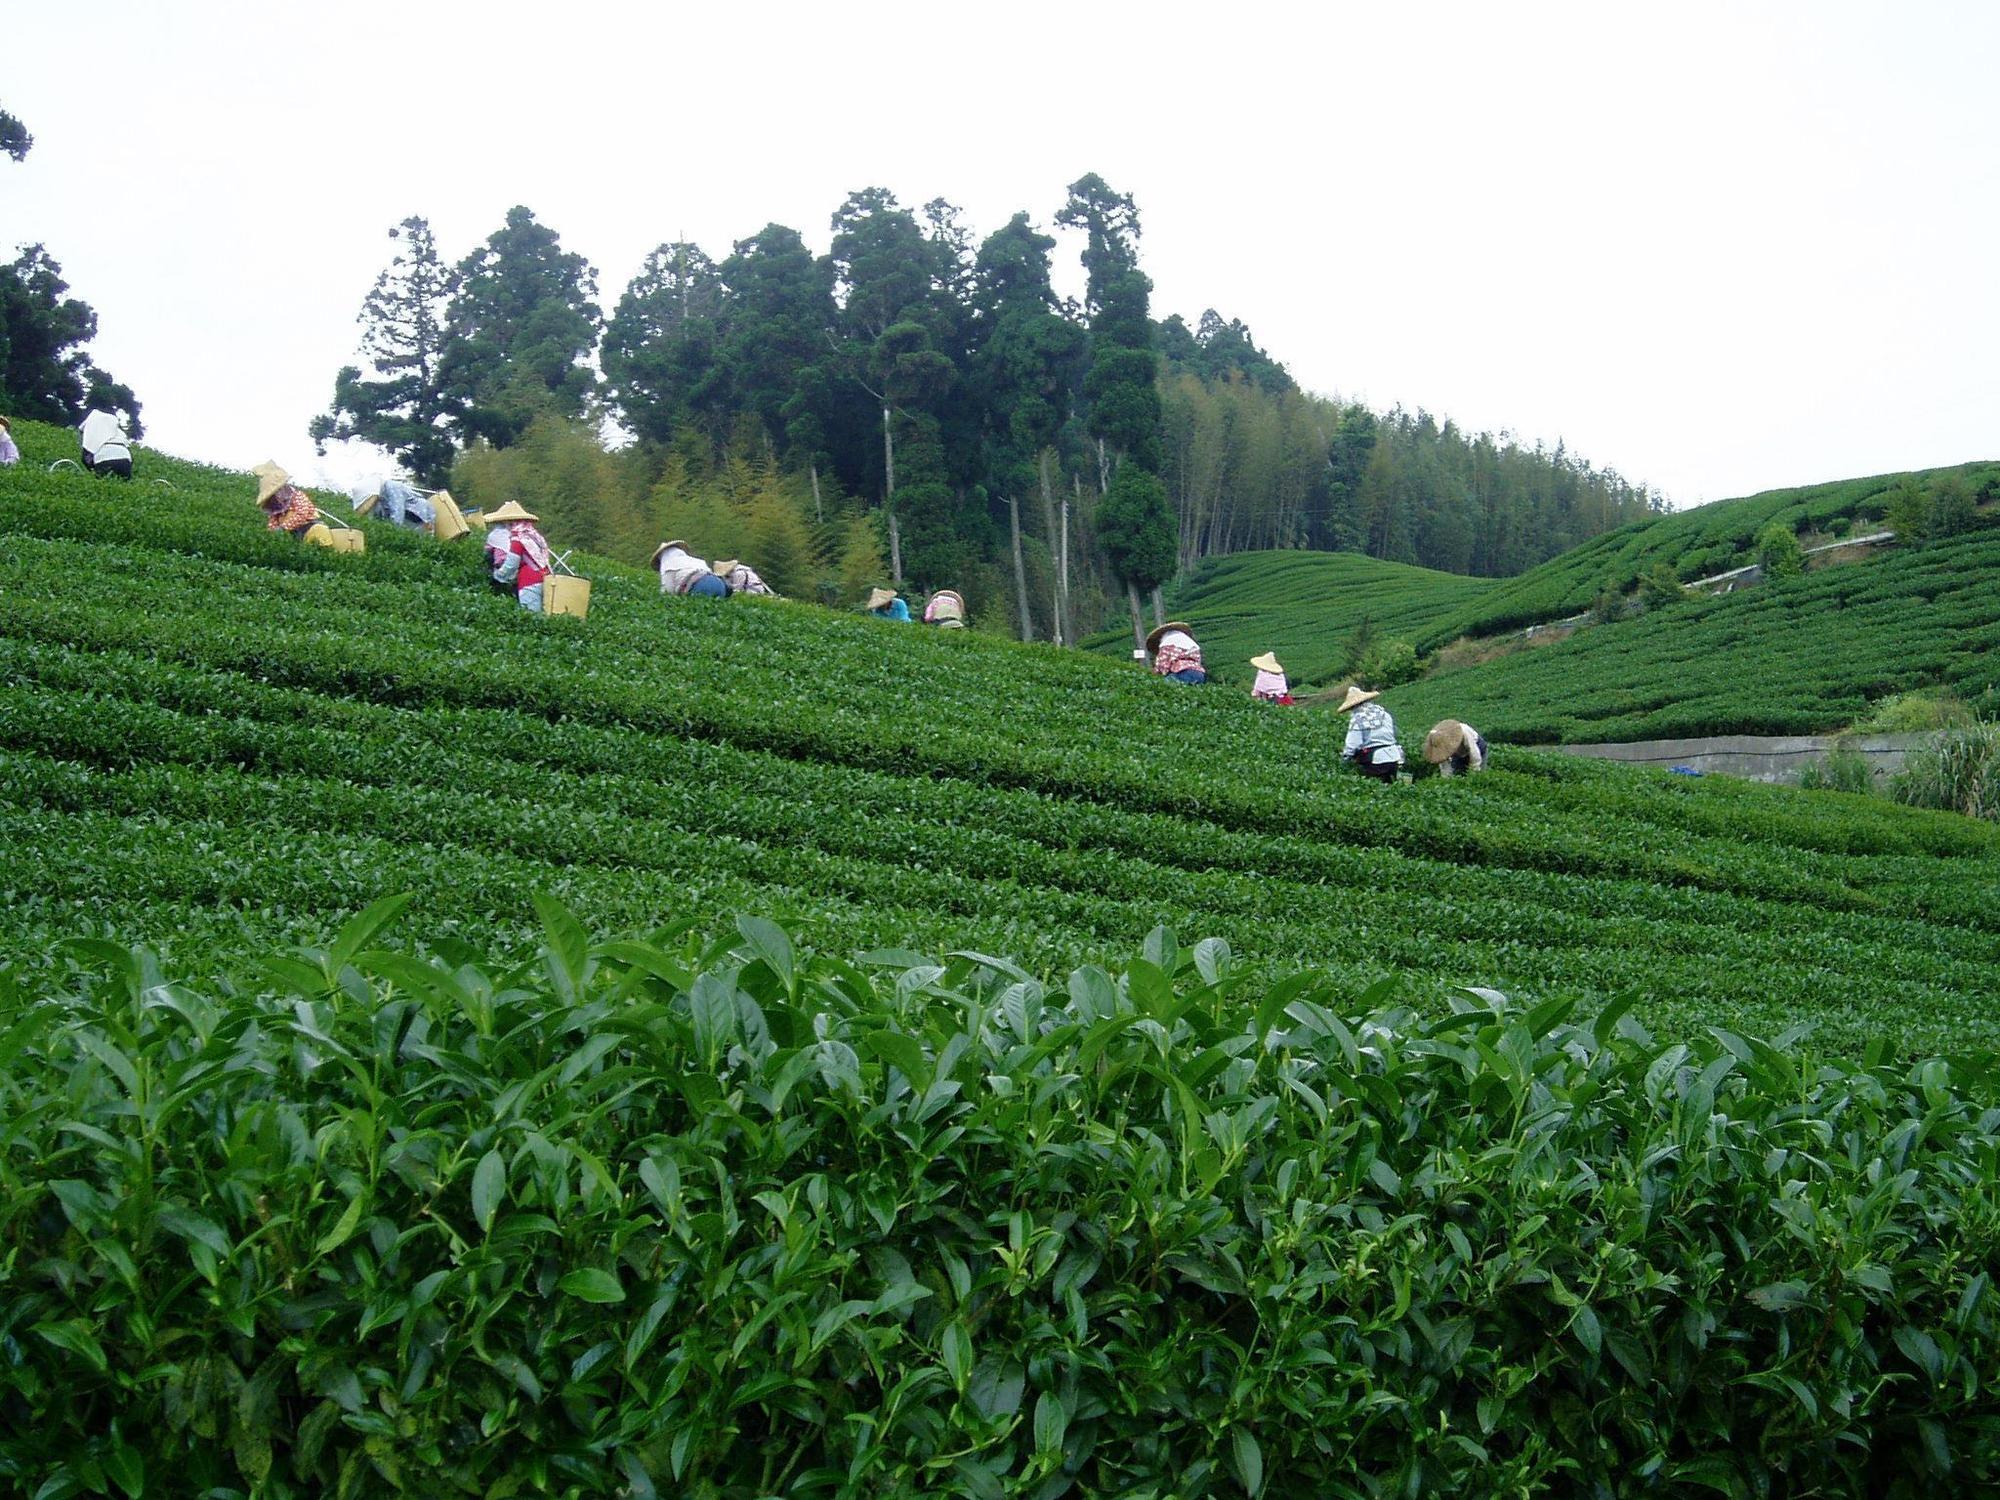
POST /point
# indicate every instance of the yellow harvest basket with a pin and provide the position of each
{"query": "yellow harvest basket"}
(565, 594)
(450, 523)
(347, 541)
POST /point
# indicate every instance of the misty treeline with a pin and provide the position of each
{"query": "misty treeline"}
(919, 406)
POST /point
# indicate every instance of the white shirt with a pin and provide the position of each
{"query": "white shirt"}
(103, 438)
(680, 570)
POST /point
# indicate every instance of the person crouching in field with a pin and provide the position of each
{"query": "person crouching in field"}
(518, 554)
(1456, 749)
(884, 604)
(946, 610)
(1270, 686)
(1176, 656)
(683, 573)
(286, 507)
(106, 448)
(742, 578)
(1371, 736)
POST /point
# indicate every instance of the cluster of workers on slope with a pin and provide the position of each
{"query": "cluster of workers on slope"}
(101, 437)
(1455, 748)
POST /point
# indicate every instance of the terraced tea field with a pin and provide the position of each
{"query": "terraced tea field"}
(215, 741)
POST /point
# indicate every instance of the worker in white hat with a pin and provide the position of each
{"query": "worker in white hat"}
(106, 448)
(1371, 735)
(1270, 686)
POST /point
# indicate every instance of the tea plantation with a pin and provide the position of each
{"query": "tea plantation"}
(1791, 656)
(1697, 542)
(746, 1050)
(1306, 606)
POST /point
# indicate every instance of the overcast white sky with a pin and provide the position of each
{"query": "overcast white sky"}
(1717, 247)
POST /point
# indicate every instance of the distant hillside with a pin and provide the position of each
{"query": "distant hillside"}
(1707, 539)
(1791, 656)
(1306, 606)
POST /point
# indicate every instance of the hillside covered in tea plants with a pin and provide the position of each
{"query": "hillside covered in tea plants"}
(215, 741)
(749, 1050)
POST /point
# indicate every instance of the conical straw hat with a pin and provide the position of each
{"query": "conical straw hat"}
(270, 479)
(1153, 635)
(1356, 697)
(880, 597)
(1268, 662)
(511, 511)
(1443, 742)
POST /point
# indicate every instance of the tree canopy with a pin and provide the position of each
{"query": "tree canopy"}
(45, 372)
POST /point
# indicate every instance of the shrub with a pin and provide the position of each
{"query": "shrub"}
(1779, 552)
(1607, 607)
(1916, 713)
(1953, 509)
(1388, 663)
(733, 1219)
(1909, 512)
(1660, 587)
(1959, 772)
(1839, 770)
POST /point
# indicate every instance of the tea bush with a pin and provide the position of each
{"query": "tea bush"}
(730, 1217)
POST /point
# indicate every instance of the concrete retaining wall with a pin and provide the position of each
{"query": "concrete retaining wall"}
(1757, 757)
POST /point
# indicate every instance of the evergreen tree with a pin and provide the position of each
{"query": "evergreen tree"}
(14, 137)
(660, 348)
(520, 332)
(45, 372)
(406, 408)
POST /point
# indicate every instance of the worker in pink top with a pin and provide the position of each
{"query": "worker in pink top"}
(1270, 686)
(1175, 654)
(519, 553)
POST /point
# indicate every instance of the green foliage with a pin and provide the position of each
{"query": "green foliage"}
(14, 137)
(1135, 528)
(1659, 588)
(559, 470)
(45, 373)
(1386, 663)
(1607, 608)
(734, 1217)
(1807, 658)
(660, 347)
(1953, 507)
(1915, 712)
(1704, 540)
(1779, 552)
(523, 322)
(1839, 770)
(1958, 772)
(405, 409)
(216, 742)
(1909, 510)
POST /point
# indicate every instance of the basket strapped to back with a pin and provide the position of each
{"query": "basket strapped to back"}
(450, 523)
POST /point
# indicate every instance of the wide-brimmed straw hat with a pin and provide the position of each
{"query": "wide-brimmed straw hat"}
(6, 424)
(1443, 742)
(724, 566)
(270, 479)
(1153, 635)
(952, 594)
(511, 511)
(880, 597)
(654, 560)
(1268, 662)
(1356, 696)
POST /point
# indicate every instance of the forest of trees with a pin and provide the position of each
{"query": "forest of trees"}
(921, 407)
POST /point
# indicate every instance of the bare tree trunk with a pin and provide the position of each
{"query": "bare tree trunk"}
(1020, 570)
(1159, 608)
(1103, 469)
(889, 500)
(1138, 619)
(819, 511)
(1057, 630)
(1069, 599)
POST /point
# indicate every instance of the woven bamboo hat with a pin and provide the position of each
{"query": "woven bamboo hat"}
(1443, 742)
(1356, 696)
(654, 560)
(1268, 662)
(511, 511)
(1153, 635)
(6, 425)
(724, 566)
(880, 597)
(953, 595)
(270, 479)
